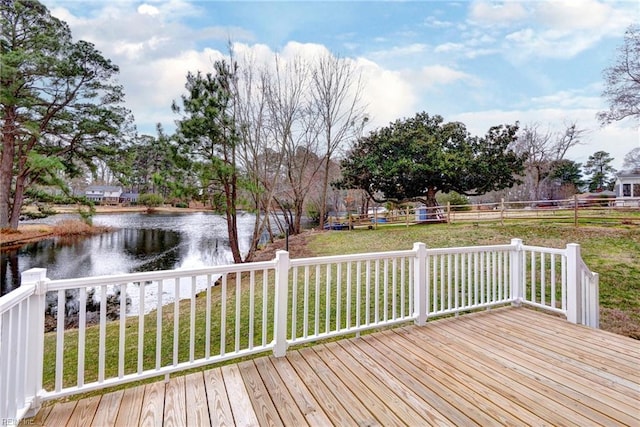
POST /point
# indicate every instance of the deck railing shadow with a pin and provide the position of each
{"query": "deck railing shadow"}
(170, 321)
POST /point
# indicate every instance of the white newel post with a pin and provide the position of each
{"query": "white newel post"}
(35, 343)
(280, 306)
(574, 285)
(420, 293)
(515, 263)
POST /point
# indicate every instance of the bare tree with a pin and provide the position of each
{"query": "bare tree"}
(259, 156)
(632, 159)
(622, 80)
(544, 150)
(337, 90)
(295, 127)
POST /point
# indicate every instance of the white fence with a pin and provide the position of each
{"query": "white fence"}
(252, 308)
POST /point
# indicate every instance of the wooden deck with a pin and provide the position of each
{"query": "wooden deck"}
(511, 366)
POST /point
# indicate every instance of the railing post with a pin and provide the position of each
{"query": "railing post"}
(420, 294)
(281, 303)
(574, 285)
(593, 319)
(515, 263)
(35, 332)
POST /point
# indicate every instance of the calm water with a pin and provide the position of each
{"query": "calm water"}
(139, 242)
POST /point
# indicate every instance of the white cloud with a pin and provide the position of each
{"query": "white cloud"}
(437, 75)
(573, 15)
(568, 99)
(490, 13)
(554, 29)
(409, 50)
(147, 9)
(387, 95)
(434, 22)
(449, 47)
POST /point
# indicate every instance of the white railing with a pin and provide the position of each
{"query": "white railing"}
(199, 317)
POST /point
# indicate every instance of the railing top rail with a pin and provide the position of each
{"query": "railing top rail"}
(15, 297)
(62, 284)
(585, 268)
(298, 262)
(469, 249)
(546, 250)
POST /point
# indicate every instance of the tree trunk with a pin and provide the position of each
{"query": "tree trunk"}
(18, 198)
(323, 196)
(431, 201)
(232, 219)
(6, 167)
(297, 227)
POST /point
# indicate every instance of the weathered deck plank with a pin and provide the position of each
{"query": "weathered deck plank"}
(153, 404)
(107, 411)
(197, 409)
(84, 412)
(505, 366)
(175, 401)
(220, 413)
(131, 407)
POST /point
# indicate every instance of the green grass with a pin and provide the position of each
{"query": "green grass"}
(612, 251)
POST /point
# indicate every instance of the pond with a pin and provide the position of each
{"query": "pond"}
(139, 242)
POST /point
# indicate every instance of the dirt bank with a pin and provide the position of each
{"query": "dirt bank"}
(26, 233)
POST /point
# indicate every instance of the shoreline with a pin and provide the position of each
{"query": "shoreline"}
(31, 233)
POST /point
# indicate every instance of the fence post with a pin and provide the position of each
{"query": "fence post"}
(281, 303)
(420, 293)
(35, 332)
(574, 284)
(515, 263)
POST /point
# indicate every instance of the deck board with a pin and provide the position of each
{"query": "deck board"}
(107, 411)
(153, 404)
(175, 403)
(131, 407)
(84, 412)
(278, 392)
(197, 409)
(510, 366)
(220, 413)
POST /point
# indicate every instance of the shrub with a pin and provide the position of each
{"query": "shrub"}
(150, 200)
(458, 201)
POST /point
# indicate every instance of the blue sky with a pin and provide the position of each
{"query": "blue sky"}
(479, 62)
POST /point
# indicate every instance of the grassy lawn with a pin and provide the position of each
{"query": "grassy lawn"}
(613, 251)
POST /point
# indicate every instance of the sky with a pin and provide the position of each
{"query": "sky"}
(480, 62)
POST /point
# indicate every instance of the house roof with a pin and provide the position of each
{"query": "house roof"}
(109, 188)
(629, 173)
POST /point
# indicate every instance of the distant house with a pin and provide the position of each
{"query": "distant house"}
(628, 187)
(103, 194)
(129, 198)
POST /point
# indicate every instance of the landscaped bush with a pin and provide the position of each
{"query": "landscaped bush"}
(151, 200)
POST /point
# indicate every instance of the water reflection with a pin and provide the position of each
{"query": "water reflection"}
(139, 242)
